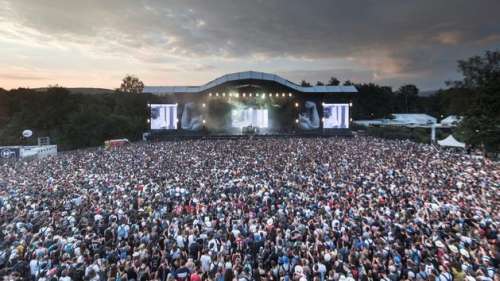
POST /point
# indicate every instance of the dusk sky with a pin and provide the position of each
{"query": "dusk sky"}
(95, 43)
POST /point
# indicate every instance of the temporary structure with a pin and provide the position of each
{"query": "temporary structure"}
(451, 141)
(451, 121)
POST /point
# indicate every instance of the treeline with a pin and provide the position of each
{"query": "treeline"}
(71, 120)
(476, 98)
(377, 101)
(85, 120)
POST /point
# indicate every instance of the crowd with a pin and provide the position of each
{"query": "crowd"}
(263, 209)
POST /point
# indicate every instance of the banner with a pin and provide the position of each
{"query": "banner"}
(9, 152)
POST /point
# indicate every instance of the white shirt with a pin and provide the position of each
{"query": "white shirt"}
(180, 241)
(205, 260)
(34, 267)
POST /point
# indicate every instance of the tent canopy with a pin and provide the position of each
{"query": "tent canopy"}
(451, 120)
(451, 141)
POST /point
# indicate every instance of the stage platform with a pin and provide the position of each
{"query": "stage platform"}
(177, 136)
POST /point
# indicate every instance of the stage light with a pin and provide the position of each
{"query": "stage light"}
(209, 94)
(276, 94)
(296, 104)
(177, 120)
(323, 119)
(270, 94)
(297, 121)
(257, 95)
(216, 94)
(223, 94)
(149, 105)
(350, 119)
(203, 105)
(244, 95)
(149, 121)
(283, 94)
(204, 121)
(323, 104)
(350, 104)
(251, 95)
(263, 95)
(289, 94)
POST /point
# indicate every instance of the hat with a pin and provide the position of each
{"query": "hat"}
(327, 257)
(464, 253)
(453, 248)
(439, 244)
(299, 270)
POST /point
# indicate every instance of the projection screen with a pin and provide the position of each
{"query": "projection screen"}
(245, 117)
(163, 116)
(336, 115)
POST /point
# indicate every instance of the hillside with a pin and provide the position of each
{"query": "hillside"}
(87, 91)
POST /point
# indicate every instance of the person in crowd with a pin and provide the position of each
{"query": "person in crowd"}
(277, 209)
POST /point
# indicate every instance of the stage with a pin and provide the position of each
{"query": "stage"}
(178, 136)
(249, 104)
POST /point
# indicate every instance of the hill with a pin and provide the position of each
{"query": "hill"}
(427, 93)
(86, 91)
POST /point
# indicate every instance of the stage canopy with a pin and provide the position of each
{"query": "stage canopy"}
(247, 76)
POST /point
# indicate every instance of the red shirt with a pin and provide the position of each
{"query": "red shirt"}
(195, 277)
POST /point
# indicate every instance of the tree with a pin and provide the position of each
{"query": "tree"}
(333, 81)
(481, 76)
(319, 83)
(131, 84)
(372, 101)
(304, 83)
(72, 120)
(407, 98)
(348, 83)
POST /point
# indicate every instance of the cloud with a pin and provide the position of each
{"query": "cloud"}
(16, 76)
(448, 37)
(388, 40)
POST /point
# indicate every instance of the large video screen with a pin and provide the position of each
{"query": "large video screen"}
(163, 116)
(191, 117)
(245, 117)
(309, 116)
(336, 115)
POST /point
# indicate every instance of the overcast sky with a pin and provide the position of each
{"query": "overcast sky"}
(95, 43)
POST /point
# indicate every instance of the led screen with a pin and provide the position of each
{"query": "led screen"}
(336, 115)
(245, 117)
(163, 116)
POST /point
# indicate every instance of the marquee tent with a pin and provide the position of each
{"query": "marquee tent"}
(451, 141)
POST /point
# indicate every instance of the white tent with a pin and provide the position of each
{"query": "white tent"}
(451, 121)
(451, 141)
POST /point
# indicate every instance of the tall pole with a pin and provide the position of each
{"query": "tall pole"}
(433, 133)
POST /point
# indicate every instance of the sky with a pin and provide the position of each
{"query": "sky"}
(95, 43)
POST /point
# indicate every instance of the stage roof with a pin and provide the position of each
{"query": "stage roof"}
(248, 75)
